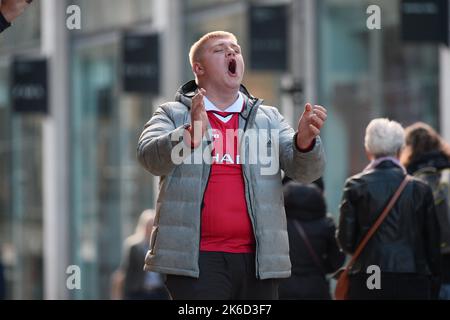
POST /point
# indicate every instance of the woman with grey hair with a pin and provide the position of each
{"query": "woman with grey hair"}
(401, 260)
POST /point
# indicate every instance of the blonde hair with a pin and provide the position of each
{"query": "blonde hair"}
(197, 47)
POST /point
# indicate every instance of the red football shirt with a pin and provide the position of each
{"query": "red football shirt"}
(226, 225)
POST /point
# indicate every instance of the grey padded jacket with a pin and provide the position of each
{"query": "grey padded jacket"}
(175, 240)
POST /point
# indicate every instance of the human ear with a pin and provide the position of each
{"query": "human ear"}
(369, 155)
(198, 69)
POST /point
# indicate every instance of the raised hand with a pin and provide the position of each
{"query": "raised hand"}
(309, 125)
(199, 119)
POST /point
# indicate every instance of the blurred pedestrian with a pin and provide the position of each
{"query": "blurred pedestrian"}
(405, 247)
(130, 281)
(221, 230)
(427, 156)
(313, 248)
(10, 10)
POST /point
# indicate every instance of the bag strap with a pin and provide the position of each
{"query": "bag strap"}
(378, 222)
(313, 254)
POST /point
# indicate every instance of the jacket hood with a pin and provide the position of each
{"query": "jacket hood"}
(304, 201)
(187, 91)
(435, 159)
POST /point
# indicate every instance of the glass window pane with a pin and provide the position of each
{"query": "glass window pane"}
(21, 250)
(110, 188)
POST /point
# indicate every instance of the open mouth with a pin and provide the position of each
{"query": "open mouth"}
(232, 67)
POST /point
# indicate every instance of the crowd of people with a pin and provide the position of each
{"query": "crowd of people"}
(223, 230)
(411, 247)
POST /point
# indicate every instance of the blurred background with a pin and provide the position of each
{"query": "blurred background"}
(73, 103)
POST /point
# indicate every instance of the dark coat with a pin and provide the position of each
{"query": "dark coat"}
(433, 159)
(306, 204)
(407, 242)
(438, 161)
(135, 284)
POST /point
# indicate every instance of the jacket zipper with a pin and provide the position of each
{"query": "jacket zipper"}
(253, 222)
(202, 204)
(201, 209)
(250, 204)
(246, 181)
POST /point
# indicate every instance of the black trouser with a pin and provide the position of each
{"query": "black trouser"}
(393, 286)
(223, 276)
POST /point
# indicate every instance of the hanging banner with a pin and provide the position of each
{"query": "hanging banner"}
(140, 67)
(425, 21)
(29, 87)
(268, 37)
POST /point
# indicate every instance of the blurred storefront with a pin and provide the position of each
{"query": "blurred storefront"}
(106, 188)
(21, 198)
(364, 74)
(80, 212)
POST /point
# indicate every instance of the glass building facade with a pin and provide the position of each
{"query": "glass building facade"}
(360, 74)
(108, 187)
(21, 210)
(365, 74)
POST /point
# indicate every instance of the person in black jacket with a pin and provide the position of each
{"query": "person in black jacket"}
(427, 156)
(130, 281)
(405, 247)
(305, 205)
(10, 10)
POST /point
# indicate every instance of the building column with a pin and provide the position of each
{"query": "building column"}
(55, 151)
(444, 85)
(292, 82)
(169, 24)
(310, 50)
(300, 84)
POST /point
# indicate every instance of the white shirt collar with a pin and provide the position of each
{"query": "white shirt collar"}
(235, 107)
